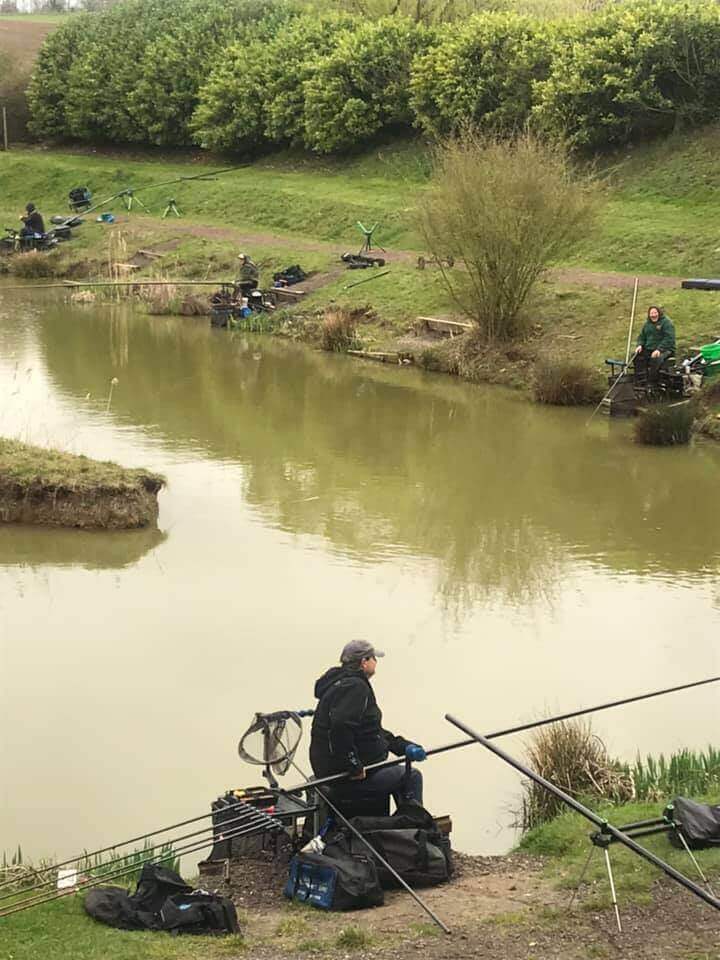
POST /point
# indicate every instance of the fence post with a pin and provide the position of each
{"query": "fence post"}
(4, 128)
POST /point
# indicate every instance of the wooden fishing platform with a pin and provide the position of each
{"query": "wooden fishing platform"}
(450, 328)
(381, 356)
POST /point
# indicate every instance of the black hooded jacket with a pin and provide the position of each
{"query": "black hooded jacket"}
(347, 732)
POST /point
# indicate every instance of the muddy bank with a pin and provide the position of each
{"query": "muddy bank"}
(52, 488)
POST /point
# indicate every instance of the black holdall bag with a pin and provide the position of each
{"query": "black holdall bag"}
(199, 912)
(162, 901)
(410, 842)
(699, 824)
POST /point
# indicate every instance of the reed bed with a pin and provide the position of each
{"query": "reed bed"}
(571, 756)
(685, 773)
(666, 425)
(338, 332)
(565, 383)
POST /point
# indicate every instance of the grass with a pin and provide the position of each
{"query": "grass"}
(663, 202)
(59, 930)
(666, 425)
(564, 842)
(25, 464)
(689, 772)
(565, 383)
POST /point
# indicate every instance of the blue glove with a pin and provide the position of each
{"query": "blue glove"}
(415, 752)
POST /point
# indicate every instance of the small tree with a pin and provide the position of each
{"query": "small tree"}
(506, 208)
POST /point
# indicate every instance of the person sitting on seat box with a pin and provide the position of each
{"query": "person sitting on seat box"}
(248, 276)
(32, 221)
(347, 733)
(655, 344)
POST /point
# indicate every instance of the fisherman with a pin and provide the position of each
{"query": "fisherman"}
(32, 222)
(655, 344)
(348, 736)
(248, 277)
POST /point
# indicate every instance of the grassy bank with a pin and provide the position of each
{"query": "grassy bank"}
(565, 845)
(662, 204)
(61, 489)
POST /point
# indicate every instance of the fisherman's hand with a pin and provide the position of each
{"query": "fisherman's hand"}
(360, 775)
(638, 349)
(415, 752)
(655, 354)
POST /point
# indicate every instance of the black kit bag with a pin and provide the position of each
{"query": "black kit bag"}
(410, 842)
(199, 912)
(334, 880)
(699, 824)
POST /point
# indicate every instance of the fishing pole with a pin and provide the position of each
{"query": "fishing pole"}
(124, 871)
(130, 282)
(144, 836)
(605, 827)
(248, 815)
(384, 764)
(627, 353)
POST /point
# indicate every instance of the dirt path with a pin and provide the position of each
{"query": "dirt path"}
(497, 908)
(605, 280)
(24, 37)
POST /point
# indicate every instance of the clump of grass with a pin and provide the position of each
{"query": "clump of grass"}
(161, 301)
(711, 390)
(353, 938)
(36, 265)
(194, 306)
(685, 773)
(571, 756)
(338, 332)
(564, 383)
(666, 425)
(430, 359)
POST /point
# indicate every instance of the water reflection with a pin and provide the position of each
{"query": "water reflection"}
(500, 493)
(30, 546)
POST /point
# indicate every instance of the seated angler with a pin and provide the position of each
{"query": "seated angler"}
(248, 277)
(655, 344)
(348, 736)
(32, 222)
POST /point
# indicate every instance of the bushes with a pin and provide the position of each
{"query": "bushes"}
(363, 86)
(482, 72)
(240, 74)
(632, 71)
(666, 424)
(565, 383)
(507, 208)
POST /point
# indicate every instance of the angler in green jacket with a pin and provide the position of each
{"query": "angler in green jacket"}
(655, 344)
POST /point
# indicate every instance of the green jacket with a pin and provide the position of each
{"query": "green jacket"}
(660, 337)
(248, 271)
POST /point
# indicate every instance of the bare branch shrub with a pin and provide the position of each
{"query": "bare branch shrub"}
(507, 208)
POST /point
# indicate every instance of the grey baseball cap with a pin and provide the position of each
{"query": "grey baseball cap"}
(357, 650)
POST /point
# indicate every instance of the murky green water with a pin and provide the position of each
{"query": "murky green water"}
(510, 561)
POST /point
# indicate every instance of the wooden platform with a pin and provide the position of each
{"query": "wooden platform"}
(450, 328)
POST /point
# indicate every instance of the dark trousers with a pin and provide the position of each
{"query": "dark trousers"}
(647, 367)
(390, 782)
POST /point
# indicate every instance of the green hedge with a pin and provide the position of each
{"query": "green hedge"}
(245, 75)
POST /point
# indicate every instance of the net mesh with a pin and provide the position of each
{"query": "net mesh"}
(271, 740)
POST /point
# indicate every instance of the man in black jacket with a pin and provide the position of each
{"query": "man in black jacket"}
(348, 736)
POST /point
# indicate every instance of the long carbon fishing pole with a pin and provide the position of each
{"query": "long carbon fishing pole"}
(251, 814)
(337, 777)
(590, 815)
(124, 871)
(143, 836)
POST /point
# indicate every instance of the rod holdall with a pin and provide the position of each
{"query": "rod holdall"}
(699, 824)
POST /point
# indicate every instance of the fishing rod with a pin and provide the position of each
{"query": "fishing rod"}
(250, 814)
(130, 282)
(144, 836)
(627, 353)
(384, 764)
(124, 871)
(605, 828)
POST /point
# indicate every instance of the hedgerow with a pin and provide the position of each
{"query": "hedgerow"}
(244, 75)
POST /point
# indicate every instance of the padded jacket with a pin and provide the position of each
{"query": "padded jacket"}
(347, 732)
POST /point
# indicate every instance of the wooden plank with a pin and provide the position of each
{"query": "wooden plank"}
(450, 327)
